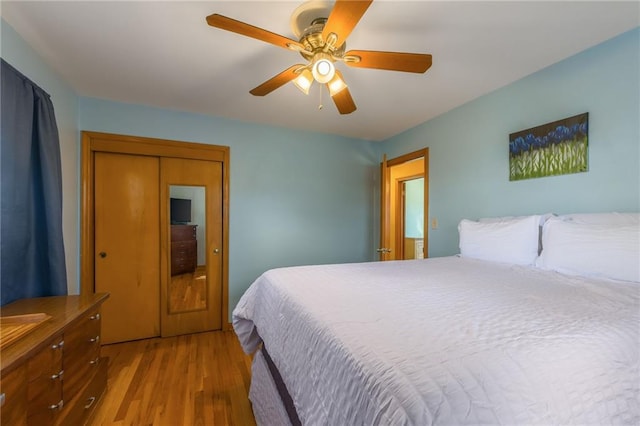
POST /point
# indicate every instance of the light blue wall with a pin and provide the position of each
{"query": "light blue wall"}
(296, 197)
(22, 57)
(468, 146)
(299, 197)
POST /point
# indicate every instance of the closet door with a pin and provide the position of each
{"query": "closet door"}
(126, 247)
(191, 295)
(127, 240)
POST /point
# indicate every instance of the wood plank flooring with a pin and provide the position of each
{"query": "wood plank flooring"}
(196, 379)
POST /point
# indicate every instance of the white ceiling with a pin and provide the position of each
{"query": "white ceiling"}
(163, 54)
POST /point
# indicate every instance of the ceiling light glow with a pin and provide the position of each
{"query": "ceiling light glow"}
(323, 69)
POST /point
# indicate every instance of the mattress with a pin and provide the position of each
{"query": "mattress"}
(447, 341)
(266, 401)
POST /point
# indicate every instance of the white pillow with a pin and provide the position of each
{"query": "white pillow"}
(592, 250)
(543, 218)
(511, 241)
(603, 218)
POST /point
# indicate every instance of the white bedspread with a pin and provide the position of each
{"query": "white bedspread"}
(448, 341)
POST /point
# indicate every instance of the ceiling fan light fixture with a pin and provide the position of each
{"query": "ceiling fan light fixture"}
(303, 81)
(322, 28)
(323, 69)
(336, 85)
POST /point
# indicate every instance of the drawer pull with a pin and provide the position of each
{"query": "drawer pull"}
(57, 376)
(57, 406)
(2, 397)
(94, 317)
(90, 402)
(58, 345)
(95, 361)
(95, 339)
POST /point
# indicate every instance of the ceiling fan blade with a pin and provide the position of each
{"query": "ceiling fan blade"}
(344, 101)
(393, 61)
(275, 82)
(343, 19)
(229, 24)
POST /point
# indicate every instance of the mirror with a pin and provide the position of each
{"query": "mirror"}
(413, 207)
(188, 284)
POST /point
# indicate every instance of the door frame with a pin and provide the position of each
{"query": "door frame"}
(93, 142)
(386, 202)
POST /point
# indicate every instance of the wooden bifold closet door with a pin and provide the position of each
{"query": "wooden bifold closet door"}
(128, 183)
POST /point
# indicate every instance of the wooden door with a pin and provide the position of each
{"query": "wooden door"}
(178, 316)
(384, 251)
(392, 173)
(126, 258)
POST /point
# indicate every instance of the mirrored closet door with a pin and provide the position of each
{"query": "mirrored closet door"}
(191, 223)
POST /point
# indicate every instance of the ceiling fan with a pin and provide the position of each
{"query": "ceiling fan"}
(322, 32)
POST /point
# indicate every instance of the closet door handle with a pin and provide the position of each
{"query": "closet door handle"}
(57, 406)
(102, 254)
(57, 376)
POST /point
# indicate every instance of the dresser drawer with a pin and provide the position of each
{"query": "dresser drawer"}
(48, 361)
(183, 232)
(44, 388)
(13, 388)
(184, 257)
(183, 248)
(81, 353)
(88, 398)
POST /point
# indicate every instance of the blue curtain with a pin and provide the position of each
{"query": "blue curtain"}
(31, 247)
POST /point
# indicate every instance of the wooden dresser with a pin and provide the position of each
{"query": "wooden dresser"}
(184, 249)
(53, 374)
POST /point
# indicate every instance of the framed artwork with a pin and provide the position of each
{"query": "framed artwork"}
(556, 148)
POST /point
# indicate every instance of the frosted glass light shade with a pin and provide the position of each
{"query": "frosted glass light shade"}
(323, 69)
(303, 81)
(336, 84)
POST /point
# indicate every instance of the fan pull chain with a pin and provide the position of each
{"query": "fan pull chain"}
(320, 106)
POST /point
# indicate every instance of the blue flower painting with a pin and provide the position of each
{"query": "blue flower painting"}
(552, 149)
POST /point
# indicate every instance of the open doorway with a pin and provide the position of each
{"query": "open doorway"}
(410, 232)
(404, 206)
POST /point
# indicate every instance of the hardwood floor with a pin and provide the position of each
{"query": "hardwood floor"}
(197, 379)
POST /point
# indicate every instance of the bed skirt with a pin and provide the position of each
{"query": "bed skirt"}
(271, 402)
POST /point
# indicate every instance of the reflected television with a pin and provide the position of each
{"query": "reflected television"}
(180, 211)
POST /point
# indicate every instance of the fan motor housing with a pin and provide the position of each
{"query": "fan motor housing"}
(307, 23)
(312, 40)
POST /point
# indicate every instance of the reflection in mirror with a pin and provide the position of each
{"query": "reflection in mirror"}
(414, 219)
(188, 284)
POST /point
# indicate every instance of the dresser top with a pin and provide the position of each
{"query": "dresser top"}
(64, 310)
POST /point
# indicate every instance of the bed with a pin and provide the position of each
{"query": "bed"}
(466, 339)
